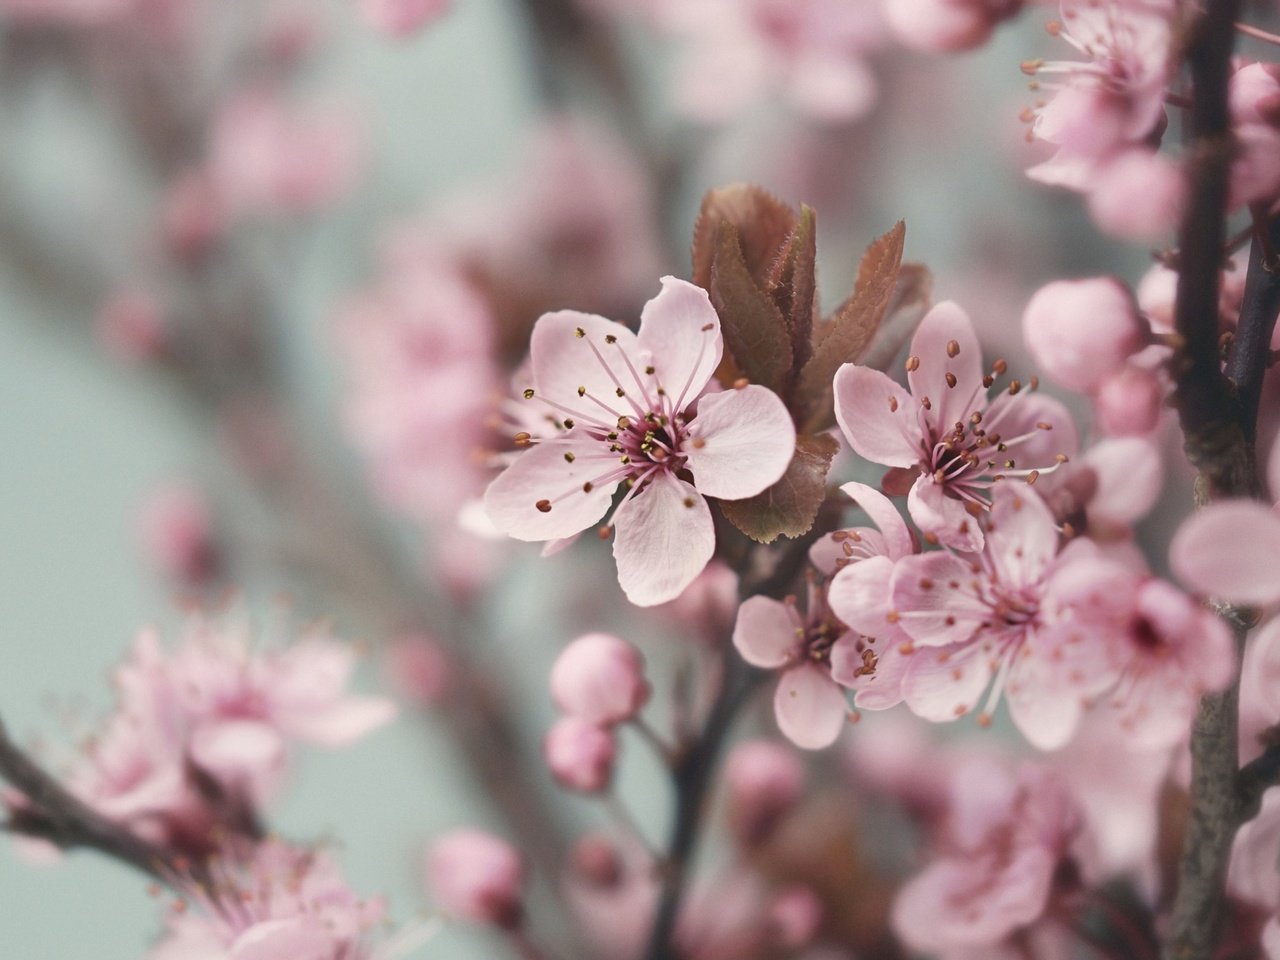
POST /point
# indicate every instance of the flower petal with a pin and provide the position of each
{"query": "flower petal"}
(942, 685)
(664, 538)
(1022, 536)
(561, 362)
(1044, 710)
(936, 596)
(947, 324)
(680, 331)
(810, 707)
(544, 473)
(1230, 551)
(882, 687)
(943, 516)
(766, 632)
(859, 596)
(877, 417)
(885, 516)
(742, 442)
(1129, 472)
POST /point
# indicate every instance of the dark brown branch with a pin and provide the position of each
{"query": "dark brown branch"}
(52, 813)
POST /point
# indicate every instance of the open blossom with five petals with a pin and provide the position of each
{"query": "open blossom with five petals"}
(970, 620)
(638, 410)
(946, 428)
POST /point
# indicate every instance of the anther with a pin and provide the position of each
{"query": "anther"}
(1014, 387)
(951, 379)
(893, 404)
(740, 383)
(926, 403)
(544, 506)
(609, 338)
(624, 422)
(1032, 477)
(528, 393)
(953, 349)
(579, 333)
(988, 380)
(913, 364)
(1000, 368)
(649, 370)
(1042, 425)
(708, 327)
(620, 392)
(1031, 67)
(697, 443)
(582, 391)
(569, 458)
(523, 439)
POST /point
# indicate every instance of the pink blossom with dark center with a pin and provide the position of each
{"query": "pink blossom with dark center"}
(948, 430)
(638, 412)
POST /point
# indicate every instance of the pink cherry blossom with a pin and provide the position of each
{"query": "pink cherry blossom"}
(1128, 403)
(1163, 651)
(1007, 836)
(212, 722)
(946, 428)
(476, 876)
(1230, 550)
(1255, 115)
(980, 622)
(809, 705)
(1139, 195)
(1110, 101)
(281, 903)
(637, 412)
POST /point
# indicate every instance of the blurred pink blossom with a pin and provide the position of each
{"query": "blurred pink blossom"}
(175, 527)
(402, 18)
(600, 678)
(477, 877)
(580, 754)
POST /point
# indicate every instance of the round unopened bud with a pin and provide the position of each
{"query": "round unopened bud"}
(1079, 331)
(1127, 403)
(175, 527)
(595, 861)
(580, 754)
(600, 678)
(1139, 195)
(764, 781)
(476, 876)
(943, 26)
(794, 917)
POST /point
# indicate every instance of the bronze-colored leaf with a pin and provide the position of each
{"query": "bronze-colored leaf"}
(912, 298)
(793, 285)
(847, 334)
(754, 330)
(790, 506)
(764, 223)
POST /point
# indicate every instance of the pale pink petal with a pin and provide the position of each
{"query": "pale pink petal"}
(298, 938)
(664, 538)
(1046, 712)
(878, 690)
(1022, 415)
(885, 516)
(859, 596)
(240, 753)
(828, 554)
(944, 684)
(1230, 551)
(543, 473)
(810, 707)
(943, 516)
(1260, 678)
(946, 329)
(1271, 939)
(877, 417)
(834, 89)
(343, 723)
(680, 331)
(1022, 536)
(742, 442)
(1129, 473)
(766, 632)
(935, 594)
(562, 361)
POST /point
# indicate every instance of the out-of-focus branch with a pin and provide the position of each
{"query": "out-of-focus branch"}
(52, 813)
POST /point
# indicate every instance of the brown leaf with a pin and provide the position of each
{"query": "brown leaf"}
(754, 330)
(789, 507)
(764, 223)
(845, 337)
(793, 285)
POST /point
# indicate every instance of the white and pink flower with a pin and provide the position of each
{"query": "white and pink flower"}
(640, 411)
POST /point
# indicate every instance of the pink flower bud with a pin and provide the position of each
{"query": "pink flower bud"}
(418, 669)
(175, 527)
(595, 861)
(764, 780)
(1128, 402)
(599, 678)
(941, 26)
(131, 327)
(192, 216)
(1079, 331)
(580, 754)
(709, 605)
(795, 915)
(476, 876)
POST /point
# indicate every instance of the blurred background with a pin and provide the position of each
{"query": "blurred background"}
(161, 352)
